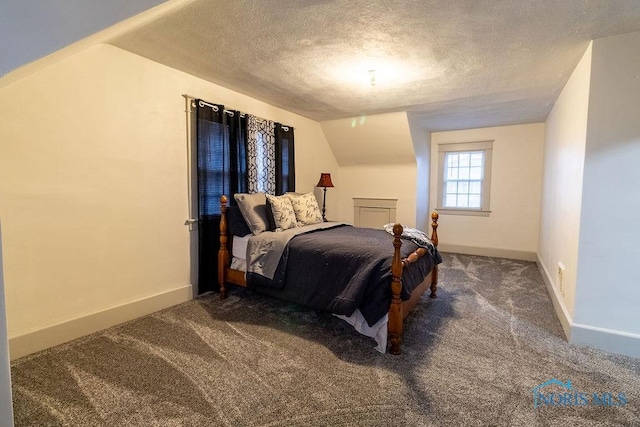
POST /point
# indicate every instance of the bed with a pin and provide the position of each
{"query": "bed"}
(370, 278)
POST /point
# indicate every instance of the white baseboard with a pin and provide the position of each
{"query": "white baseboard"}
(590, 336)
(556, 299)
(23, 345)
(492, 252)
(606, 339)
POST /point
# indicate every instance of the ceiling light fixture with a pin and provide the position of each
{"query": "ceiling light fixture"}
(375, 73)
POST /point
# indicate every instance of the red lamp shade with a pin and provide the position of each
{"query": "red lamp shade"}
(325, 180)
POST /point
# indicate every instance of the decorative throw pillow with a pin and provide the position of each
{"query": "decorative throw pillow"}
(306, 208)
(254, 211)
(236, 223)
(270, 220)
(284, 216)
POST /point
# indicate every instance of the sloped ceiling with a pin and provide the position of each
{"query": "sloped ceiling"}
(450, 64)
(32, 29)
(377, 139)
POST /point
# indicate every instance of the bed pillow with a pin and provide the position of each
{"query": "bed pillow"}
(254, 211)
(271, 222)
(284, 216)
(306, 208)
(236, 223)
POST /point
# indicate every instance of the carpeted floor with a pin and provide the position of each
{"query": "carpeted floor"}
(471, 357)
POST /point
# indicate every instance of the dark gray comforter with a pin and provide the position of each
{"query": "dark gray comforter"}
(341, 269)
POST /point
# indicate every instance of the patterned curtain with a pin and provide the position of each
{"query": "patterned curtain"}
(261, 155)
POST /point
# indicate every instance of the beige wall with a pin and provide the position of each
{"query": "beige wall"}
(379, 181)
(93, 182)
(421, 139)
(6, 408)
(376, 159)
(588, 212)
(516, 180)
(608, 293)
(566, 131)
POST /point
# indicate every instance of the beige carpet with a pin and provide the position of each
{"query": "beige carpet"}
(471, 357)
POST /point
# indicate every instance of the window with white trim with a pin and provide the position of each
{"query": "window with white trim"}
(464, 178)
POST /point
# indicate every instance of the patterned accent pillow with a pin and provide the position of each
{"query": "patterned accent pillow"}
(306, 208)
(284, 216)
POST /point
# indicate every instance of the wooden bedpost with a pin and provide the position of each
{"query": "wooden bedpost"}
(434, 239)
(395, 310)
(223, 253)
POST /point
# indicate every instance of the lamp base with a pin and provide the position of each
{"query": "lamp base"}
(324, 200)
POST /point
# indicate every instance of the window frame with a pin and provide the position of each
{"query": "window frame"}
(487, 148)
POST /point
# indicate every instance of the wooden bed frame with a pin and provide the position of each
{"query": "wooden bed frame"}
(398, 309)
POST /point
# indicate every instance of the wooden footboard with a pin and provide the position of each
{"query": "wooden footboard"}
(398, 309)
(225, 273)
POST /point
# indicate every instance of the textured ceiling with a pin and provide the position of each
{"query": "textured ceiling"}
(450, 64)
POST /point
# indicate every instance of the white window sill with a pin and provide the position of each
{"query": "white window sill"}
(468, 212)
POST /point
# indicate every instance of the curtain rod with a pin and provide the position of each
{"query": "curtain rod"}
(285, 128)
(215, 107)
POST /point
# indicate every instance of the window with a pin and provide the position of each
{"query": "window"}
(236, 153)
(240, 153)
(464, 181)
(221, 155)
(285, 159)
(271, 168)
(261, 147)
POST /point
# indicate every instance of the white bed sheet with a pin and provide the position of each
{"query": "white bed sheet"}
(240, 248)
(378, 331)
(239, 264)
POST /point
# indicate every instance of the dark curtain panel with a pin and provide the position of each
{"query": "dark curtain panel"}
(212, 157)
(285, 159)
(237, 137)
(222, 169)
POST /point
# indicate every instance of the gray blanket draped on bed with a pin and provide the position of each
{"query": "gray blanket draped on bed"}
(340, 269)
(265, 250)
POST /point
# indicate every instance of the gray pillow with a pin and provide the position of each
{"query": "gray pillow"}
(254, 211)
